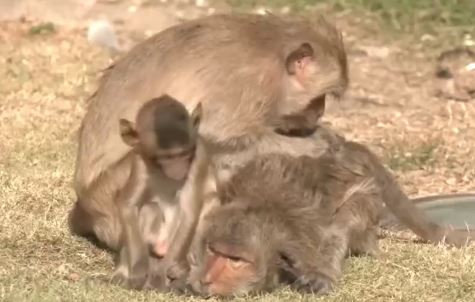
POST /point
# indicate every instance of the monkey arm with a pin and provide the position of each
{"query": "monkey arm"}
(134, 250)
(316, 264)
(191, 199)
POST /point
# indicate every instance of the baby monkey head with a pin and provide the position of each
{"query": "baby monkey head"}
(235, 258)
(164, 135)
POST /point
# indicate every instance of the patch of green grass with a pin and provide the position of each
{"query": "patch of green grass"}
(399, 14)
(42, 29)
(414, 158)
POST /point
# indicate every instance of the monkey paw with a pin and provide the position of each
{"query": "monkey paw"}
(177, 270)
(118, 278)
(316, 284)
(137, 281)
(156, 282)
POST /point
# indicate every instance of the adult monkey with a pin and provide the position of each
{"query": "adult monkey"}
(246, 70)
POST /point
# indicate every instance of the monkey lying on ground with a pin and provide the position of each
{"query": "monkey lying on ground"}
(166, 149)
(246, 70)
(299, 218)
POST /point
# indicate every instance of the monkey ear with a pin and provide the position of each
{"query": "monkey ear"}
(196, 115)
(299, 59)
(128, 133)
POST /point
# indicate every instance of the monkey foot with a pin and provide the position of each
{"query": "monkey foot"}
(136, 282)
(179, 286)
(177, 271)
(118, 278)
(156, 282)
(316, 284)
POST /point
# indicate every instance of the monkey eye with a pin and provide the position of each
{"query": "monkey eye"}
(235, 262)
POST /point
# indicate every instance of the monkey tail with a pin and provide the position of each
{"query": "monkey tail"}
(411, 216)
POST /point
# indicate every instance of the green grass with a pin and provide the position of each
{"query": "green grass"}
(403, 158)
(398, 14)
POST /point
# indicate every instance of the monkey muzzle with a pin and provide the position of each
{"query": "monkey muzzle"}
(176, 166)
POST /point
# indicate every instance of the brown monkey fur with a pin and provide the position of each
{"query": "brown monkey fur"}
(246, 70)
(166, 149)
(299, 218)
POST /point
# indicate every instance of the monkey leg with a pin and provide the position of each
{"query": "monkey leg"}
(95, 212)
(105, 228)
(316, 264)
(364, 243)
(359, 214)
(107, 231)
(96, 215)
(79, 221)
(121, 273)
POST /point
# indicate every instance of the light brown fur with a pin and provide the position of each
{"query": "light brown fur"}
(246, 70)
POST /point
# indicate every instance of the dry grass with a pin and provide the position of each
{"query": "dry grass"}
(45, 81)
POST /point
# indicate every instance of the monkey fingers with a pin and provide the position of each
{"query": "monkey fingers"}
(136, 282)
(315, 283)
(156, 278)
(177, 270)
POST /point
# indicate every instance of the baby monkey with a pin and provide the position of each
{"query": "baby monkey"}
(297, 218)
(165, 149)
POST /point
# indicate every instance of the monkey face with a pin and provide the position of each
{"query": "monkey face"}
(233, 260)
(174, 162)
(226, 270)
(164, 135)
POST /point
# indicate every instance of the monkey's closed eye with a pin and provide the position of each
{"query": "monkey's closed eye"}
(234, 259)
(236, 262)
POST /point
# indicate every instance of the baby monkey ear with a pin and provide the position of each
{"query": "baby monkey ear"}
(196, 115)
(128, 133)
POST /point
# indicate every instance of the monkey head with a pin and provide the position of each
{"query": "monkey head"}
(234, 257)
(164, 135)
(316, 65)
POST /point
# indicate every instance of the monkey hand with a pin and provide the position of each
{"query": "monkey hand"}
(177, 274)
(156, 278)
(137, 281)
(131, 281)
(315, 283)
(118, 278)
(177, 270)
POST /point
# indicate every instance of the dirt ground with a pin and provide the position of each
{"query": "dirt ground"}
(48, 74)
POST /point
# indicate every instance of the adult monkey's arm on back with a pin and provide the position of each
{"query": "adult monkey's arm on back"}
(246, 70)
